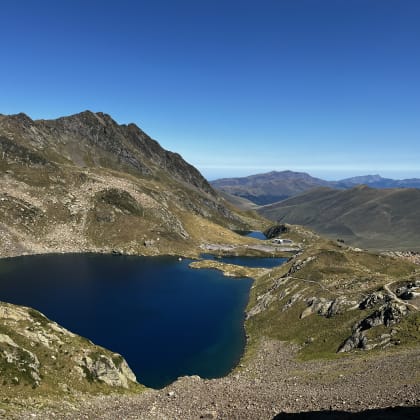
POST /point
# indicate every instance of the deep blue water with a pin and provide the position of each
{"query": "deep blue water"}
(252, 262)
(252, 234)
(166, 319)
(257, 235)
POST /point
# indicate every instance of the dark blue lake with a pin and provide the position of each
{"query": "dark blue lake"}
(251, 262)
(166, 319)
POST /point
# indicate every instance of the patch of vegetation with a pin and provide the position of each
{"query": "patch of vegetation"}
(120, 199)
(118, 360)
(38, 317)
(408, 330)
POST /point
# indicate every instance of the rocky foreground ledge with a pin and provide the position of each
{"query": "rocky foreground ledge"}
(39, 357)
(273, 382)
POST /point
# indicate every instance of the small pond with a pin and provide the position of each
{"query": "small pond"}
(252, 234)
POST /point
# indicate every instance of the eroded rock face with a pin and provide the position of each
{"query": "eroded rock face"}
(325, 307)
(299, 264)
(264, 302)
(356, 341)
(113, 371)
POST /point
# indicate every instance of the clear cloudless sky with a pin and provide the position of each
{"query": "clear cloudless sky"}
(237, 87)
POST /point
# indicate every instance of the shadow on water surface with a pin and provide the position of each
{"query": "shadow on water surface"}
(391, 413)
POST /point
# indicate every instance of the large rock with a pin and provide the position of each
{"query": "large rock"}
(112, 371)
(356, 341)
(388, 314)
(326, 307)
(275, 230)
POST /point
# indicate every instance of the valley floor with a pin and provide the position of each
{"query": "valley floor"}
(271, 383)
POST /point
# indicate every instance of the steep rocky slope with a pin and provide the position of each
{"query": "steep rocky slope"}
(85, 183)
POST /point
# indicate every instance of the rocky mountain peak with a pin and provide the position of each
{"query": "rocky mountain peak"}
(96, 139)
(84, 174)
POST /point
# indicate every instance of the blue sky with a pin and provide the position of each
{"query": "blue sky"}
(331, 87)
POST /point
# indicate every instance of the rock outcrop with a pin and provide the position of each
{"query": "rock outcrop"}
(275, 231)
(113, 371)
(35, 351)
(388, 314)
(326, 307)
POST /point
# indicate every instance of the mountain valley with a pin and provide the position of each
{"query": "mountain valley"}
(331, 316)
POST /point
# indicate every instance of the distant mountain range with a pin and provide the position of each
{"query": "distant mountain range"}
(366, 217)
(275, 186)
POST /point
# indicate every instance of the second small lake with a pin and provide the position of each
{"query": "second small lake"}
(252, 234)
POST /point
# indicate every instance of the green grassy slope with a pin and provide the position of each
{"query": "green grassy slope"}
(362, 216)
(316, 299)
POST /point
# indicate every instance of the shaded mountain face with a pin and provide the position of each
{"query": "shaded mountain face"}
(275, 186)
(363, 216)
(84, 182)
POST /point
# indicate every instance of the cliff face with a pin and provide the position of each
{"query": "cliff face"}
(86, 183)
